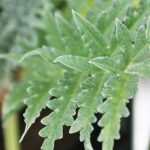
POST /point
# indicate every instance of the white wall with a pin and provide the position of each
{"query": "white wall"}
(141, 116)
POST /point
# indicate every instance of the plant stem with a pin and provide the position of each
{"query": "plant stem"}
(11, 133)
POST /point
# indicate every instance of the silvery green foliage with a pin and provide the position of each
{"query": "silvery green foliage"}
(12, 16)
(91, 63)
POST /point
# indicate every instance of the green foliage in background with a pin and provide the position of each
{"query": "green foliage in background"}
(88, 58)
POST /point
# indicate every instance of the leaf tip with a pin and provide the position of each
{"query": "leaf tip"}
(29, 54)
(74, 12)
(24, 133)
(91, 61)
(58, 59)
(58, 17)
(75, 15)
(118, 23)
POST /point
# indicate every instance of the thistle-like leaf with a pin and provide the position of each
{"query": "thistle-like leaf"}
(53, 38)
(120, 86)
(36, 101)
(140, 69)
(140, 53)
(77, 63)
(89, 98)
(42, 81)
(63, 109)
(105, 19)
(140, 43)
(118, 89)
(70, 36)
(112, 64)
(93, 39)
(124, 39)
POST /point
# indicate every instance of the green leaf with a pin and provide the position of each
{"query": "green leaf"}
(49, 54)
(118, 89)
(63, 109)
(70, 36)
(77, 63)
(37, 97)
(36, 101)
(124, 39)
(120, 86)
(112, 64)
(93, 39)
(53, 37)
(29, 54)
(140, 43)
(140, 69)
(89, 98)
(105, 19)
